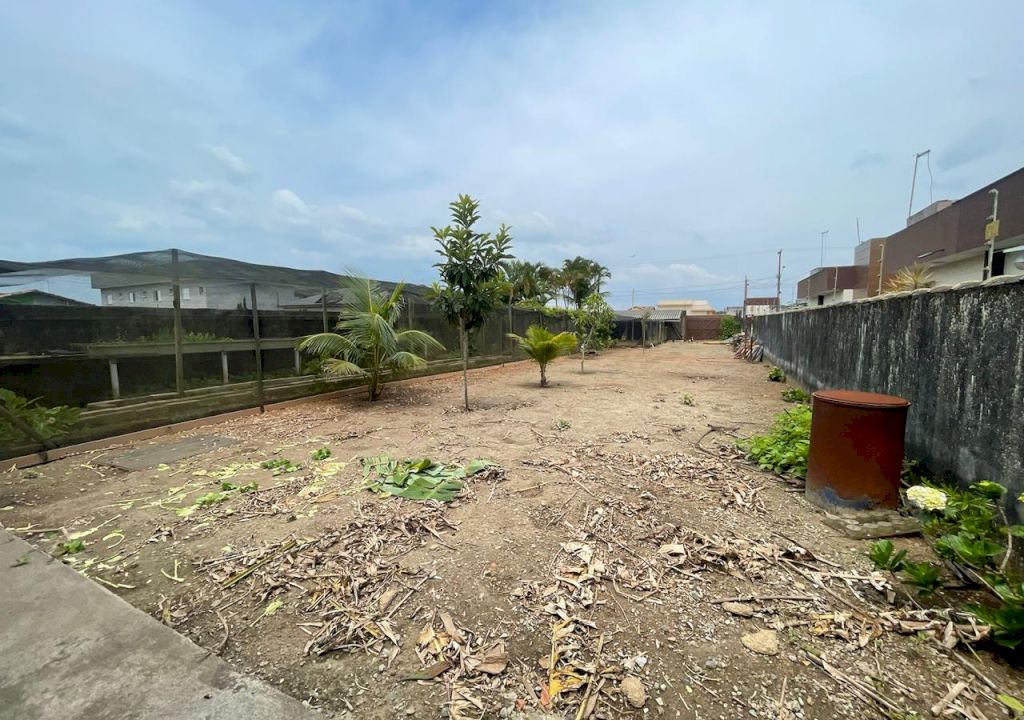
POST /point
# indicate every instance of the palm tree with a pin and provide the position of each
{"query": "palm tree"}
(912, 277)
(582, 278)
(543, 347)
(367, 343)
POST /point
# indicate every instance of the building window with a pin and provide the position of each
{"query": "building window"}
(110, 298)
(156, 295)
(145, 294)
(201, 290)
(186, 293)
(131, 297)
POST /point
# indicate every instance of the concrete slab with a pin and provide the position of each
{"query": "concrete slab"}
(156, 453)
(71, 649)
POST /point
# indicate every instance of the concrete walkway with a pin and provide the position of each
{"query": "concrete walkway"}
(71, 649)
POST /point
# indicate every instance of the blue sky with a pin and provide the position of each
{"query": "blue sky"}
(680, 144)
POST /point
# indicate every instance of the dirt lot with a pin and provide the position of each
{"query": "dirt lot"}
(596, 553)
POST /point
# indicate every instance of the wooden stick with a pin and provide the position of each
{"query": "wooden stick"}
(224, 640)
(759, 598)
(952, 695)
(252, 568)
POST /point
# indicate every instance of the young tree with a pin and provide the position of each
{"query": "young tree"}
(367, 343)
(595, 322)
(543, 347)
(470, 287)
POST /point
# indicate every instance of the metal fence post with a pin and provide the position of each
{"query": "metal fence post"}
(256, 342)
(179, 358)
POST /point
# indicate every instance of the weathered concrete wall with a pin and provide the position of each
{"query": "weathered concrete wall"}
(956, 353)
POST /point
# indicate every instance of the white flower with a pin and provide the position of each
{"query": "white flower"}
(926, 498)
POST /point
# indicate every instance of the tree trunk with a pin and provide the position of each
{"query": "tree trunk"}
(543, 375)
(583, 354)
(464, 342)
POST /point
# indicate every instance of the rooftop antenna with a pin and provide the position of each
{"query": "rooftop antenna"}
(927, 155)
(822, 262)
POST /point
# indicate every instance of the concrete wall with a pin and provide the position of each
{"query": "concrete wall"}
(966, 269)
(956, 353)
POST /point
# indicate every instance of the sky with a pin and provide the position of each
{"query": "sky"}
(679, 144)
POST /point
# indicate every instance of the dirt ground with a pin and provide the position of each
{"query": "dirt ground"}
(584, 575)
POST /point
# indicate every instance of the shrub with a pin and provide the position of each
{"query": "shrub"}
(46, 422)
(971, 530)
(784, 449)
(729, 327)
(775, 374)
(795, 395)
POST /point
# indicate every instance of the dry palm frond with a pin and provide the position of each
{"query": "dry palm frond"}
(913, 277)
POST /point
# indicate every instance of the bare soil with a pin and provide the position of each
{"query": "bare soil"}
(604, 524)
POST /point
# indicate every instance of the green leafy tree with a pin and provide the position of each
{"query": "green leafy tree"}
(542, 347)
(729, 327)
(595, 323)
(471, 274)
(22, 419)
(582, 278)
(367, 343)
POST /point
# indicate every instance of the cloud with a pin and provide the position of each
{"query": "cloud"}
(867, 160)
(289, 207)
(680, 145)
(236, 166)
(980, 141)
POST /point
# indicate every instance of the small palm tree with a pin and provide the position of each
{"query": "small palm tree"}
(543, 347)
(912, 277)
(367, 343)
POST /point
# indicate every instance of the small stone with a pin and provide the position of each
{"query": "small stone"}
(741, 609)
(634, 691)
(410, 711)
(764, 642)
(712, 664)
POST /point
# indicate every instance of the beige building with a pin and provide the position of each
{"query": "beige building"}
(690, 307)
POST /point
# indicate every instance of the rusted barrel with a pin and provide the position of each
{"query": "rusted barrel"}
(856, 451)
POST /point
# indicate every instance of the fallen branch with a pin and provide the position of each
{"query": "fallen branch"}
(231, 581)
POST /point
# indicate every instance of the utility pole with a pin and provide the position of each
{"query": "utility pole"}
(991, 232)
(913, 181)
(858, 231)
(821, 264)
(744, 313)
(632, 300)
(778, 284)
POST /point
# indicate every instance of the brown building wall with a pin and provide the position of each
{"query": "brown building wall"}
(703, 327)
(958, 228)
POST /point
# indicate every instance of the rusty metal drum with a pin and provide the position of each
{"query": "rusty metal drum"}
(856, 452)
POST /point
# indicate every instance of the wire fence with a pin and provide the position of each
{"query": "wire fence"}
(168, 337)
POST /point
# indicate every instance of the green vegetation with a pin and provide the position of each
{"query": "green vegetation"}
(562, 424)
(420, 479)
(969, 530)
(595, 324)
(46, 422)
(71, 547)
(321, 453)
(882, 555)
(471, 274)
(166, 335)
(784, 449)
(775, 374)
(795, 395)
(581, 278)
(280, 466)
(729, 327)
(688, 400)
(543, 347)
(367, 344)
